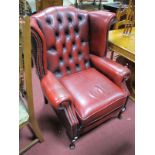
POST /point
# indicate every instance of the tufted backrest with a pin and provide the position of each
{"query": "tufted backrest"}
(64, 35)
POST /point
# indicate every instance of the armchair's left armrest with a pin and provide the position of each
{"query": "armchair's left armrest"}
(61, 100)
(112, 69)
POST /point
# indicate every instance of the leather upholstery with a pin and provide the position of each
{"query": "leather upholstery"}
(100, 23)
(66, 33)
(93, 96)
(112, 69)
(69, 47)
(54, 90)
(61, 100)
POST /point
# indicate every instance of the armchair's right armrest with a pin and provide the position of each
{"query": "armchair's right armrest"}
(112, 69)
(54, 90)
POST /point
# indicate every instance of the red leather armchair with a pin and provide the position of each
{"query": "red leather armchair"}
(83, 86)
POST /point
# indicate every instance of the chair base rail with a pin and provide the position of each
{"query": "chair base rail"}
(23, 150)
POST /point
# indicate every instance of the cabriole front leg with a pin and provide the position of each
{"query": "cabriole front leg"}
(45, 100)
(72, 144)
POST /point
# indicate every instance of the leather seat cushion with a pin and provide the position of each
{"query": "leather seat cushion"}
(94, 94)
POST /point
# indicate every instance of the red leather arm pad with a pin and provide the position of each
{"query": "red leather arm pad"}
(112, 69)
(54, 90)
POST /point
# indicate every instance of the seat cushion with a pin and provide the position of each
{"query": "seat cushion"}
(94, 94)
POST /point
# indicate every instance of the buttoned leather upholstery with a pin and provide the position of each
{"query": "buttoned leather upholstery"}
(83, 86)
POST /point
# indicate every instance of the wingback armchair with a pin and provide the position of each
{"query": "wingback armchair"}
(83, 86)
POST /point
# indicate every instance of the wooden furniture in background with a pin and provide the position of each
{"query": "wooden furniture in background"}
(26, 75)
(24, 8)
(122, 41)
(114, 6)
(93, 2)
(124, 45)
(129, 20)
(42, 4)
(125, 19)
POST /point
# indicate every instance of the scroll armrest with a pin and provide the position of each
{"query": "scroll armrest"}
(58, 95)
(112, 69)
(54, 90)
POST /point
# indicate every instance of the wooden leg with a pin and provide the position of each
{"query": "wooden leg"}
(24, 94)
(32, 63)
(45, 99)
(72, 144)
(94, 2)
(112, 55)
(131, 81)
(28, 77)
(76, 4)
(123, 109)
(99, 6)
(120, 113)
(36, 130)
